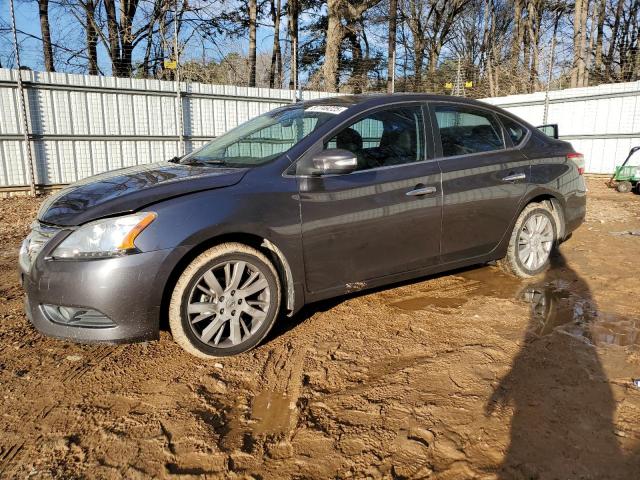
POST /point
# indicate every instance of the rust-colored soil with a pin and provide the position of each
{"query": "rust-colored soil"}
(467, 375)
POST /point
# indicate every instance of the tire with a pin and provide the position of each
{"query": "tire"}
(624, 187)
(516, 262)
(225, 301)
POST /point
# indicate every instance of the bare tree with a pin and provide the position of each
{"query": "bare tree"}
(293, 10)
(47, 49)
(275, 73)
(91, 36)
(253, 25)
(391, 65)
(579, 43)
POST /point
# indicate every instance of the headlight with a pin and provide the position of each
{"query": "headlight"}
(104, 238)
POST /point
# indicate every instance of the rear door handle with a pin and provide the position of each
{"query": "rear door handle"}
(515, 177)
(421, 191)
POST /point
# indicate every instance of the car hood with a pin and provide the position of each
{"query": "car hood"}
(129, 189)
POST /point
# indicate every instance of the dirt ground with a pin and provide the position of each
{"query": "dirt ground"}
(465, 375)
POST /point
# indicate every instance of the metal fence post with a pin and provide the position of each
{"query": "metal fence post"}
(180, 112)
(23, 108)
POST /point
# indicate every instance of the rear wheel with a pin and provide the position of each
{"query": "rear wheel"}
(624, 187)
(532, 241)
(225, 302)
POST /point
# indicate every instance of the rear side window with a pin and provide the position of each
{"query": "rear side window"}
(516, 131)
(393, 136)
(465, 130)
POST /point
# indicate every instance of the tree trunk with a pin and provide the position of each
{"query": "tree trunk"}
(253, 21)
(391, 59)
(127, 12)
(358, 72)
(614, 37)
(534, 22)
(434, 56)
(335, 34)
(582, 65)
(43, 10)
(276, 7)
(597, 67)
(518, 33)
(293, 11)
(114, 37)
(576, 43)
(92, 37)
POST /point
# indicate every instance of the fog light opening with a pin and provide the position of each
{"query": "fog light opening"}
(77, 317)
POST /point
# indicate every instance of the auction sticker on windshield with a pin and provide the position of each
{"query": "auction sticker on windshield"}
(334, 109)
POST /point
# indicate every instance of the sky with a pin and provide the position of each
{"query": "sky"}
(65, 27)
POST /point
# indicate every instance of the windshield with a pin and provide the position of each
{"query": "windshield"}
(263, 138)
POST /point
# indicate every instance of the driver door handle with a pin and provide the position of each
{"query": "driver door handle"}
(421, 191)
(514, 177)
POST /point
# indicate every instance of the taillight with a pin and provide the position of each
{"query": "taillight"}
(578, 158)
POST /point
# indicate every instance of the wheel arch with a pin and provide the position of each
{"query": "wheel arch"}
(258, 242)
(557, 209)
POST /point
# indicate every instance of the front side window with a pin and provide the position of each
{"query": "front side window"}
(386, 137)
(262, 138)
(465, 130)
(515, 131)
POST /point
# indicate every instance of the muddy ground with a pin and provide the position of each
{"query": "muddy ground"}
(467, 375)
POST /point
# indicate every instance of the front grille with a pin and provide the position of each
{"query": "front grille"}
(34, 243)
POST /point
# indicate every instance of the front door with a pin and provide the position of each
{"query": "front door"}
(382, 219)
(483, 179)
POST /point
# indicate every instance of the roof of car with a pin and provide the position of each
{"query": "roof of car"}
(381, 99)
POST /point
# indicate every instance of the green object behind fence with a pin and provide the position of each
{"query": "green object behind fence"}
(627, 172)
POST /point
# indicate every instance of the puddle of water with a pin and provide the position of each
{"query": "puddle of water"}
(556, 308)
(485, 281)
(558, 304)
(271, 412)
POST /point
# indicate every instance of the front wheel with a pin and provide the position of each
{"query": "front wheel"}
(532, 241)
(225, 302)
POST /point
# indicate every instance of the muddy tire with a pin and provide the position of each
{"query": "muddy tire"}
(624, 187)
(532, 241)
(225, 302)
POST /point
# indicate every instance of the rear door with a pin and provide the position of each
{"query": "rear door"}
(484, 177)
(382, 219)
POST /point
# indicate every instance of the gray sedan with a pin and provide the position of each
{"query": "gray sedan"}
(306, 202)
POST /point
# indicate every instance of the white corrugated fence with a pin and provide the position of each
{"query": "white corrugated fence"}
(81, 125)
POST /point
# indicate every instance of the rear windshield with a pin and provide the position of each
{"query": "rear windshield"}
(263, 138)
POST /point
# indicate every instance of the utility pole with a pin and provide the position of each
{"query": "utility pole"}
(458, 87)
(393, 72)
(545, 116)
(23, 108)
(181, 149)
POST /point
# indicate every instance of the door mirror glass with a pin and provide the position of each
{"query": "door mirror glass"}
(334, 161)
(550, 130)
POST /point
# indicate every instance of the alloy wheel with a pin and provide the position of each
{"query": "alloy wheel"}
(228, 303)
(535, 241)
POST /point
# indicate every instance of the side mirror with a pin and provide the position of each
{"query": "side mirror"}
(550, 130)
(334, 161)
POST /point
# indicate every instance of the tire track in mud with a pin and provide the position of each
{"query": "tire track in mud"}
(96, 355)
(264, 418)
(269, 414)
(8, 454)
